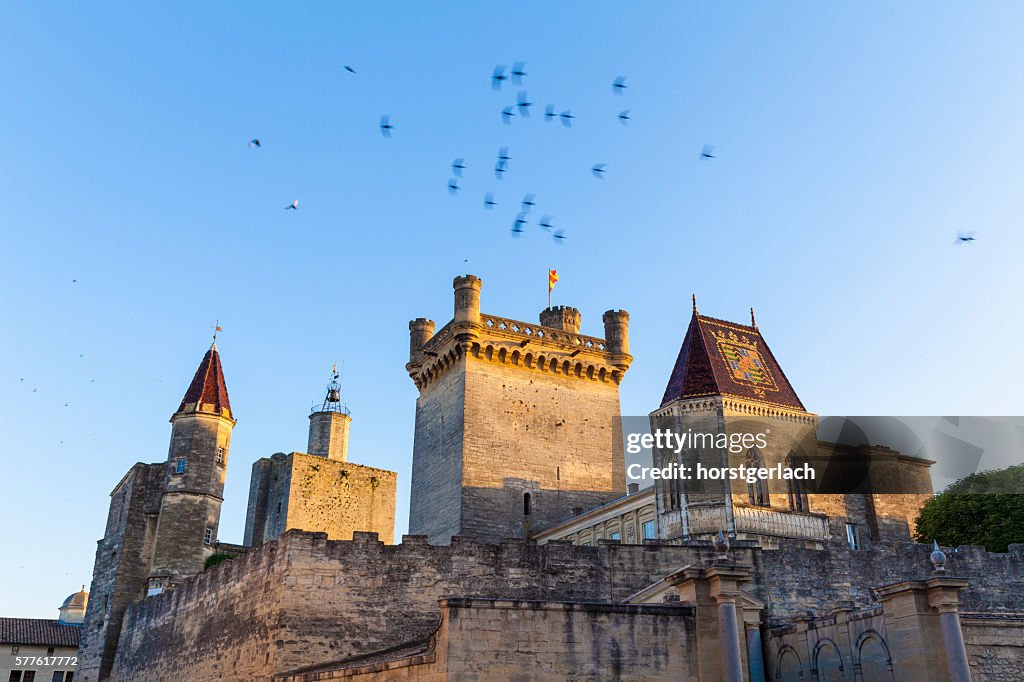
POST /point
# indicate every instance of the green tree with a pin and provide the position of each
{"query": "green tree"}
(215, 559)
(986, 508)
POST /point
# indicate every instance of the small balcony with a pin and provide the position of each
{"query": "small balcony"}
(709, 519)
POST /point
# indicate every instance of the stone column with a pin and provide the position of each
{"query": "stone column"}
(717, 584)
(755, 656)
(724, 590)
(944, 597)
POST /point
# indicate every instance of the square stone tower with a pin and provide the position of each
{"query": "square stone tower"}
(516, 423)
(320, 491)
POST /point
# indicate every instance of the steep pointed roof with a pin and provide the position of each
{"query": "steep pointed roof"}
(207, 392)
(723, 358)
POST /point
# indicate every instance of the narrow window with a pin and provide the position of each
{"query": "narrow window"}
(179, 466)
(797, 491)
(852, 536)
(649, 531)
(526, 504)
(15, 649)
(220, 456)
(208, 537)
(30, 676)
(69, 676)
(757, 491)
(58, 676)
(49, 651)
(15, 676)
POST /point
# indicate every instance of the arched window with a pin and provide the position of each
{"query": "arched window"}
(757, 491)
(795, 488)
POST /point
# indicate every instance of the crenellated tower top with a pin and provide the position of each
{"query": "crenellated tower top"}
(555, 345)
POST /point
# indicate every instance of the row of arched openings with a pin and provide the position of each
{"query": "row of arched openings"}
(871, 662)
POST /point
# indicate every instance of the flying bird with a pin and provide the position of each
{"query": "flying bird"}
(545, 223)
(705, 153)
(458, 165)
(489, 202)
(499, 169)
(549, 112)
(559, 237)
(506, 115)
(349, 69)
(453, 187)
(528, 203)
(619, 85)
(503, 154)
(624, 117)
(255, 143)
(517, 72)
(964, 238)
(517, 226)
(385, 126)
(294, 206)
(598, 170)
(567, 118)
(523, 104)
(498, 77)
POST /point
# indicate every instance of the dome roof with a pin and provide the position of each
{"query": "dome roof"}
(77, 600)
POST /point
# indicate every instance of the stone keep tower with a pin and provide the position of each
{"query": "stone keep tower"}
(194, 477)
(156, 532)
(516, 423)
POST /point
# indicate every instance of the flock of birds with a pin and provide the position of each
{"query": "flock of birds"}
(521, 109)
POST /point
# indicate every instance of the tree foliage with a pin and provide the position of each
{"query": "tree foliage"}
(986, 508)
(215, 559)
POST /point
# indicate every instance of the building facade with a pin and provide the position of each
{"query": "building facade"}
(40, 650)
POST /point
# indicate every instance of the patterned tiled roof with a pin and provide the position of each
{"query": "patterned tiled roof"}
(724, 358)
(207, 392)
(37, 632)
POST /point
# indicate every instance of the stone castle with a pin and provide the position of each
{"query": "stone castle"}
(529, 557)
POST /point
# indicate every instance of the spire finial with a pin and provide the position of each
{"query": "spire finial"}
(694, 297)
(753, 322)
(216, 329)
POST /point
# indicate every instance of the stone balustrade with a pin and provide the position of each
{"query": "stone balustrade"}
(760, 521)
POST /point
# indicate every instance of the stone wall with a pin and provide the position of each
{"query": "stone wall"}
(539, 433)
(304, 600)
(121, 568)
(523, 641)
(995, 645)
(434, 508)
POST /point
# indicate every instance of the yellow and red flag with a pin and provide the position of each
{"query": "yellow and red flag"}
(552, 278)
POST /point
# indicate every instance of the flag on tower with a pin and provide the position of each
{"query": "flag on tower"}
(552, 278)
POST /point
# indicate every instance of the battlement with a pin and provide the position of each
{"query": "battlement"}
(555, 345)
(304, 598)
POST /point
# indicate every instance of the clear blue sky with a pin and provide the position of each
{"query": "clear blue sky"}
(853, 141)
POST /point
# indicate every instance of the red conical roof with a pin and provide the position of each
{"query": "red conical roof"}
(207, 392)
(724, 358)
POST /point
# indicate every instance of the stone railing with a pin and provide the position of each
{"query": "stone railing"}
(536, 331)
(760, 521)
